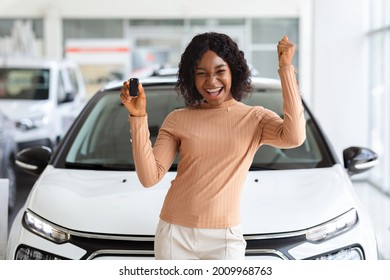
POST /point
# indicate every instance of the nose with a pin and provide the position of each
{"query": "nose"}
(211, 76)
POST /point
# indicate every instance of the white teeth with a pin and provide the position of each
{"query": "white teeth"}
(213, 90)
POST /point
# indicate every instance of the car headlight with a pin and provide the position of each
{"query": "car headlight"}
(32, 122)
(45, 229)
(29, 253)
(354, 253)
(333, 227)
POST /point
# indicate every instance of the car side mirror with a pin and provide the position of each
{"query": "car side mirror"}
(69, 97)
(358, 159)
(34, 160)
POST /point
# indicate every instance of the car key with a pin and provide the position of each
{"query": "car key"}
(133, 86)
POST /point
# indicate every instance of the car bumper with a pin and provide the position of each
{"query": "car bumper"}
(355, 244)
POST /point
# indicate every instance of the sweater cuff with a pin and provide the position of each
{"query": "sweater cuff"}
(138, 123)
(138, 128)
(136, 120)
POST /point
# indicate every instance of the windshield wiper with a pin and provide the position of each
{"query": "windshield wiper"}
(99, 166)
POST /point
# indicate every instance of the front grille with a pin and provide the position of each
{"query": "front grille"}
(136, 246)
(114, 246)
(271, 246)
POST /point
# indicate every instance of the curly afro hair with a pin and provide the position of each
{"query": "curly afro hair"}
(225, 48)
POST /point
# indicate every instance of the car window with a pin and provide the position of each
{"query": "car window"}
(104, 138)
(61, 92)
(73, 80)
(312, 153)
(29, 84)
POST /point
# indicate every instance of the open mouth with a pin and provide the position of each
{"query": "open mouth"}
(214, 91)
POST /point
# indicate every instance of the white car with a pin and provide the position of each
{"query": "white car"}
(89, 204)
(41, 97)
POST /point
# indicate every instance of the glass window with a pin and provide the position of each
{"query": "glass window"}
(7, 26)
(61, 92)
(232, 21)
(11, 41)
(156, 22)
(73, 80)
(270, 31)
(311, 154)
(29, 84)
(265, 35)
(266, 63)
(156, 51)
(379, 91)
(93, 28)
(95, 144)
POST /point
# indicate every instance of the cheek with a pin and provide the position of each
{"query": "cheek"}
(198, 86)
(228, 80)
(228, 83)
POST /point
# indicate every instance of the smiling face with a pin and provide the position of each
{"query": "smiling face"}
(213, 79)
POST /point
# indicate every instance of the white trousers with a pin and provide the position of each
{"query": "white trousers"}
(174, 242)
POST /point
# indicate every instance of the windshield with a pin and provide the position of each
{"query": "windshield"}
(27, 84)
(103, 140)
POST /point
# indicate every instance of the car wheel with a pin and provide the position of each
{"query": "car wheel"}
(12, 191)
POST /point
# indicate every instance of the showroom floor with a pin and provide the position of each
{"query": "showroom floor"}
(378, 205)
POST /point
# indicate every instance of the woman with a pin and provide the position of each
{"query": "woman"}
(216, 137)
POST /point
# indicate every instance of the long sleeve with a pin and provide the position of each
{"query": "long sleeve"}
(290, 131)
(152, 163)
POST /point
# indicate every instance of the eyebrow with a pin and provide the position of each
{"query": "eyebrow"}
(216, 67)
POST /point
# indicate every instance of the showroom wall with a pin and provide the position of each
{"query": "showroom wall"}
(333, 49)
(340, 70)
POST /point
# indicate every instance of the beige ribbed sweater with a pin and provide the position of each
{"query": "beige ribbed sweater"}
(216, 146)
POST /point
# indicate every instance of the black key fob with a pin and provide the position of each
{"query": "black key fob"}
(133, 86)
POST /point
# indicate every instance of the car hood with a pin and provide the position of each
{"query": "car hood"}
(114, 202)
(17, 109)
